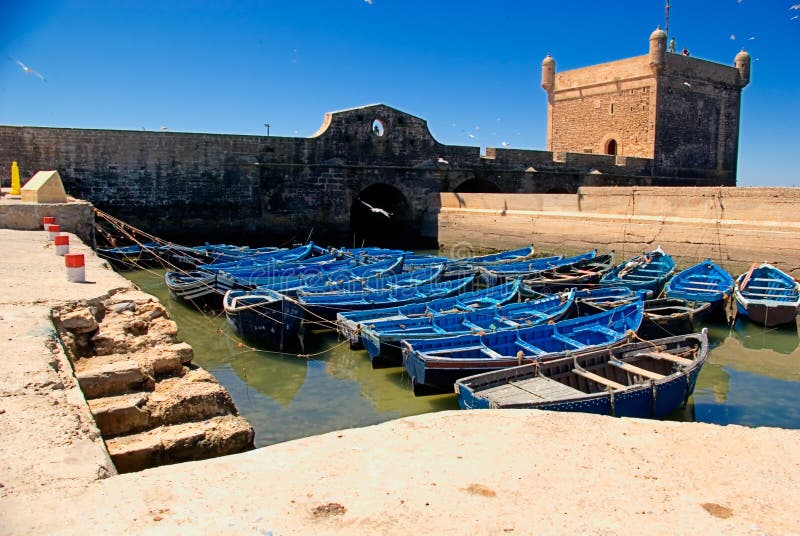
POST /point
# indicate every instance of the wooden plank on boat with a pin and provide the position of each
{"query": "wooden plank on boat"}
(547, 388)
(637, 370)
(668, 357)
(598, 379)
(746, 293)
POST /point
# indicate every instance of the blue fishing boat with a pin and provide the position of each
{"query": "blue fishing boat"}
(703, 282)
(322, 308)
(496, 273)
(350, 323)
(194, 287)
(518, 254)
(637, 379)
(135, 255)
(191, 257)
(268, 274)
(266, 258)
(379, 267)
(589, 301)
(405, 279)
(382, 338)
(435, 364)
(259, 318)
(662, 317)
(585, 273)
(768, 296)
(666, 317)
(648, 271)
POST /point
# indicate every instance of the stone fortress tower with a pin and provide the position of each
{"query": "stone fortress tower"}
(680, 111)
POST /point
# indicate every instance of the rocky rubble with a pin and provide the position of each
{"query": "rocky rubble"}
(150, 403)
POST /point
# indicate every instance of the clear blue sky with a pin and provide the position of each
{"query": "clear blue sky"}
(471, 69)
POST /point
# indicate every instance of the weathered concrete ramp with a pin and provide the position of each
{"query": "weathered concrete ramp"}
(735, 227)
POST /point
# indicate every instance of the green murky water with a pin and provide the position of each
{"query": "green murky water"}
(752, 378)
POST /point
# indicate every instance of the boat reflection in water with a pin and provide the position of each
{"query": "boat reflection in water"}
(751, 377)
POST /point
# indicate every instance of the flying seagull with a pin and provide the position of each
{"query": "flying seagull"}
(28, 70)
(375, 209)
(441, 160)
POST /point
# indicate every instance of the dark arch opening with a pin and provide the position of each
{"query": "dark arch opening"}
(611, 147)
(478, 186)
(380, 215)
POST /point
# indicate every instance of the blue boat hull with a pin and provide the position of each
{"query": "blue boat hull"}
(557, 386)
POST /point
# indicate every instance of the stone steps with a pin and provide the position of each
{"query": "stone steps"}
(151, 404)
(117, 374)
(218, 436)
(193, 397)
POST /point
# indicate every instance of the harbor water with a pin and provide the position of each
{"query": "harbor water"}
(751, 378)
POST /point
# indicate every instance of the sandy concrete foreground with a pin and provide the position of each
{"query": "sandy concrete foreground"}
(481, 472)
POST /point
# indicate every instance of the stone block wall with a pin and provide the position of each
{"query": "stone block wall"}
(195, 187)
(733, 226)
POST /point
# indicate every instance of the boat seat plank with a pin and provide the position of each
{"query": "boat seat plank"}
(768, 280)
(702, 289)
(692, 281)
(668, 357)
(511, 323)
(491, 353)
(637, 370)
(601, 329)
(436, 352)
(598, 379)
(746, 293)
(567, 340)
(529, 347)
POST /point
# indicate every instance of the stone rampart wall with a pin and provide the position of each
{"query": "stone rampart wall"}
(733, 226)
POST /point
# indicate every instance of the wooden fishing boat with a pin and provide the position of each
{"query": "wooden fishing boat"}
(435, 364)
(496, 273)
(703, 282)
(768, 296)
(350, 323)
(582, 274)
(194, 287)
(379, 282)
(637, 379)
(268, 274)
(258, 317)
(382, 338)
(666, 317)
(589, 301)
(648, 271)
(191, 257)
(465, 266)
(323, 308)
(276, 321)
(379, 267)
(264, 259)
(518, 254)
(136, 255)
(662, 317)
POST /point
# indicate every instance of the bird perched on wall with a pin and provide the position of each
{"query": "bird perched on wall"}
(28, 70)
(375, 209)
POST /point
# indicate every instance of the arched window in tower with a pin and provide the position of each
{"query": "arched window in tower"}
(611, 147)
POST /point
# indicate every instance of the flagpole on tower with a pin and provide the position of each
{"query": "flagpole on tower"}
(666, 25)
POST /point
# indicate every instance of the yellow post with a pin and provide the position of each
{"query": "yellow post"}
(15, 187)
